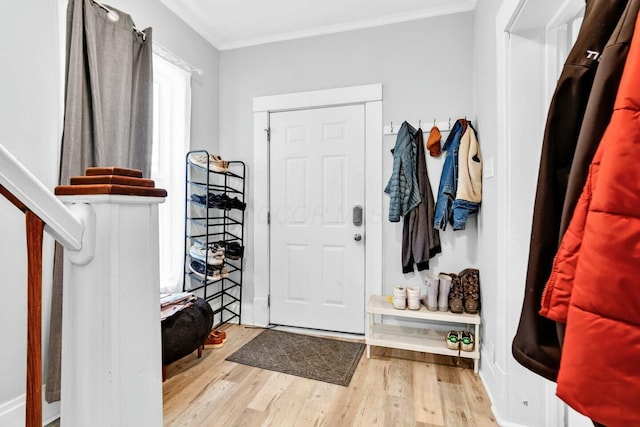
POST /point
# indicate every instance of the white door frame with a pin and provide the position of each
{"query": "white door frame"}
(371, 97)
(550, 16)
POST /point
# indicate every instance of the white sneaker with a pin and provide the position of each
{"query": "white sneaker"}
(198, 271)
(212, 162)
(399, 297)
(211, 257)
(413, 298)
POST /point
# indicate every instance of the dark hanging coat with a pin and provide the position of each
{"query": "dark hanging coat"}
(536, 345)
(599, 108)
(594, 285)
(420, 240)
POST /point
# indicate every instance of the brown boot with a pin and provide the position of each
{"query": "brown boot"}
(470, 279)
(456, 296)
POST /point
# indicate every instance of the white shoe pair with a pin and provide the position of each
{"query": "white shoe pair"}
(403, 296)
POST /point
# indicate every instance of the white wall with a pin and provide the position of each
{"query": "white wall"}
(30, 129)
(425, 67)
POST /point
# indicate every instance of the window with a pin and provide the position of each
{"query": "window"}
(171, 141)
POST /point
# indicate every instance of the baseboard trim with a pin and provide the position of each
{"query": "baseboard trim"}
(494, 410)
(12, 412)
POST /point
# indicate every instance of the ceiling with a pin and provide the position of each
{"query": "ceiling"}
(230, 24)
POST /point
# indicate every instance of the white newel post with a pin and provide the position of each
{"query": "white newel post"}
(111, 349)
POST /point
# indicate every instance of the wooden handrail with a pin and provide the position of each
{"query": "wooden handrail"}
(42, 209)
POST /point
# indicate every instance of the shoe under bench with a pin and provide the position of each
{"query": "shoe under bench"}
(415, 338)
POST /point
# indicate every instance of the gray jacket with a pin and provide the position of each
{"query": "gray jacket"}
(403, 185)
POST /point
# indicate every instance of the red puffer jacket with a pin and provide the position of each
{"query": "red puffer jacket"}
(595, 282)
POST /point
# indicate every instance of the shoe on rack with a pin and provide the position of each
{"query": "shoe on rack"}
(198, 269)
(216, 249)
(210, 200)
(213, 340)
(466, 341)
(235, 203)
(233, 250)
(453, 340)
(443, 291)
(399, 297)
(199, 198)
(211, 256)
(431, 297)
(470, 279)
(212, 162)
(456, 296)
(224, 273)
(413, 298)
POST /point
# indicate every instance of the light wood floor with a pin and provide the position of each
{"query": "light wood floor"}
(404, 390)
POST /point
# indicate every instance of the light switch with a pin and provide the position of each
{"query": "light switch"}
(487, 168)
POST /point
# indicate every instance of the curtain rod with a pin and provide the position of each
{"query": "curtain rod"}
(165, 53)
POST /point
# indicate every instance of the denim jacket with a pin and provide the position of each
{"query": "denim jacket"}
(403, 184)
(448, 209)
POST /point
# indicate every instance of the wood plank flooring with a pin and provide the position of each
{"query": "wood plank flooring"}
(393, 388)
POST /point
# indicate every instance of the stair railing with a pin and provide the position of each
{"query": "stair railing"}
(43, 211)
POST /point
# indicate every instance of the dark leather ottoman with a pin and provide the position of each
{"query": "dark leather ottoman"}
(185, 332)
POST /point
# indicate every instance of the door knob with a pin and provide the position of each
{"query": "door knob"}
(357, 237)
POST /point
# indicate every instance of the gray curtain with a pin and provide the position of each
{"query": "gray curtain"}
(107, 120)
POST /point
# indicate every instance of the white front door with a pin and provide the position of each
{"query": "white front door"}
(316, 180)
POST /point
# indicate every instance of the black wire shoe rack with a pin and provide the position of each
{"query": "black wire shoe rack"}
(214, 218)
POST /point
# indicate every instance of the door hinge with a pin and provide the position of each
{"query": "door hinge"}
(269, 300)
(269, 218)
(268, 130)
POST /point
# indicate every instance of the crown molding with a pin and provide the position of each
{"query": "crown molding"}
(198, 23)
(460, 7)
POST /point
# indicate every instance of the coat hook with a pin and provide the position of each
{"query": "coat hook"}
(391, 129)
(434, 122)
(449, 123)
(419, 124)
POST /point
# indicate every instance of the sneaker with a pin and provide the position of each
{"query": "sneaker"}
(212, 162)
(211, 256)
(199, 198)
(234, 250)
(198, 269)
(399, 297)
(413, 298)
(217, 249)
(224, 273)
(453, 340)
(466, 341)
